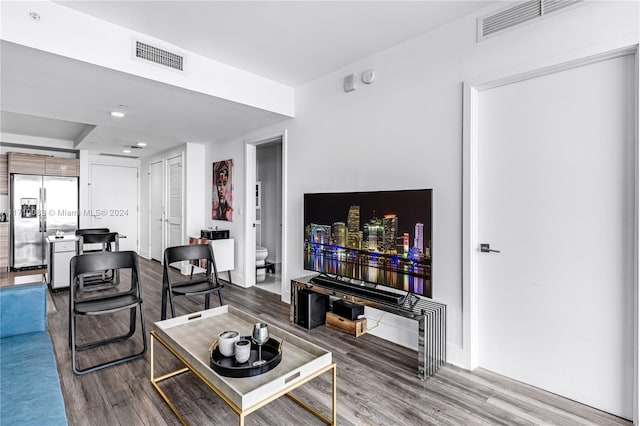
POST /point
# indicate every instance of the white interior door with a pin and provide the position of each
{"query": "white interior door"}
(156, 210)
(556, 190)
(174, 211)
(114, 201)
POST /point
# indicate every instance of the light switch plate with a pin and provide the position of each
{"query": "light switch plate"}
(350, 82)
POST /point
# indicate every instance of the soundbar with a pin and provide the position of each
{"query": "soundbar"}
(364, 292)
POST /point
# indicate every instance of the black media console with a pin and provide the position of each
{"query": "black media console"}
(430, 315)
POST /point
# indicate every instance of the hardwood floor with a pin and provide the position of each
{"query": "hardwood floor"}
(377, 380)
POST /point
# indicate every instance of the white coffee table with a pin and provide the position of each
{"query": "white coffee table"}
(189, 338)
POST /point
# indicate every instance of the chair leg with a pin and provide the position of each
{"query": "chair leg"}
(220, 297)
(72, 340)
(116, 339)
(70, 328)
(173, 308)
(140, 354)
(132, 322)
(207, 300)
(163, 313)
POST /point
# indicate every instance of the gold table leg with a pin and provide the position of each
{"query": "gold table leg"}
(155, 380)
(309, 408)
(242, 413)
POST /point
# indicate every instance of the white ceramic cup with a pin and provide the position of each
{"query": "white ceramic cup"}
(226, 340)
(243, 350)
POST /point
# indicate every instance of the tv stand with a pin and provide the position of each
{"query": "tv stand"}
(431, 317)
(374, 294)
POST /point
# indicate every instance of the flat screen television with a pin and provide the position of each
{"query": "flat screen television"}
(371, 238)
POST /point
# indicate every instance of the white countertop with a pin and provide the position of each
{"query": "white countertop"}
(65, 238)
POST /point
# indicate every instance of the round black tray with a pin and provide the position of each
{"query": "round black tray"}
(228, 366)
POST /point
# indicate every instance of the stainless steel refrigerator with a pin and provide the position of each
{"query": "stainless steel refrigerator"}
(41, 205)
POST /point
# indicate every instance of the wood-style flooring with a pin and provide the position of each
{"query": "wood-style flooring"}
(377, 380)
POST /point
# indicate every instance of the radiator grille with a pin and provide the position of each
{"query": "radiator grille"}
(516, 15)
(159, 56)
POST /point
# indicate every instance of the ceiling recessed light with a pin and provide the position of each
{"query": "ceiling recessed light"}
(142, 144)
(126, 151)
(118, 114)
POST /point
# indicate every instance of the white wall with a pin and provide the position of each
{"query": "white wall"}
(194, 188)
(233, 149)
(407, 126)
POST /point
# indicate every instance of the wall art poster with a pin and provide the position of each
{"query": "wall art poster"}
(222, 206)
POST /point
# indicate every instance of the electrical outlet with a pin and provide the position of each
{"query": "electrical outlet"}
(368, 76)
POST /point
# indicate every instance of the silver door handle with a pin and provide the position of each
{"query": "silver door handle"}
(486, 248)
(44, 209)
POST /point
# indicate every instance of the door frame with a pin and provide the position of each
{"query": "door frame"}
(163, 195)
(167, 199)
(250, 216)
(470, 206)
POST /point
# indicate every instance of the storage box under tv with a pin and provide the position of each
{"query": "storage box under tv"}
(355, 328)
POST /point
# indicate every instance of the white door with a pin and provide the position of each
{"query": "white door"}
(156, 210)
(556, 192)
(114, 201)
(174, 202)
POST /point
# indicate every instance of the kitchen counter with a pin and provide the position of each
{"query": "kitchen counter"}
(59, 255)
(4, 245)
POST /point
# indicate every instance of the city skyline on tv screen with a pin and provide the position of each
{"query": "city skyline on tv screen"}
(382, 237)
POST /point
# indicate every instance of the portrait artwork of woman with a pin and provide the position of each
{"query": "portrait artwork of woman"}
(222, 191)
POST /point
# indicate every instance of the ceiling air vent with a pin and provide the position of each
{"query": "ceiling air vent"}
(105, 154)
(513, 16)
(159, 56)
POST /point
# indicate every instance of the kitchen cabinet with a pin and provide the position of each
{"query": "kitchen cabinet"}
(4, 245)
(4, 175)
(45, 165)
(59, 255)
(27, 164)
(56, 166)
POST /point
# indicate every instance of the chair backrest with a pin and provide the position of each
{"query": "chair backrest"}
(91, 231)
(103, 238)
(192, 253)
(102, 261)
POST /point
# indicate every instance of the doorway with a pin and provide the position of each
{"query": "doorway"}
(114, 201)
(269, 216)
(552, 169)
(266, 197)
(156, 210)
(174, 205)
(166, 209)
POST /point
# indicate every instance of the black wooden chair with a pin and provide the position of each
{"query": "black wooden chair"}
(104, 303)
(98, 242)
(90, 231)
(200, 255)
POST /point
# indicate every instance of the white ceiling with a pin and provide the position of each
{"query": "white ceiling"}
(40, 88)
(287, 41)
